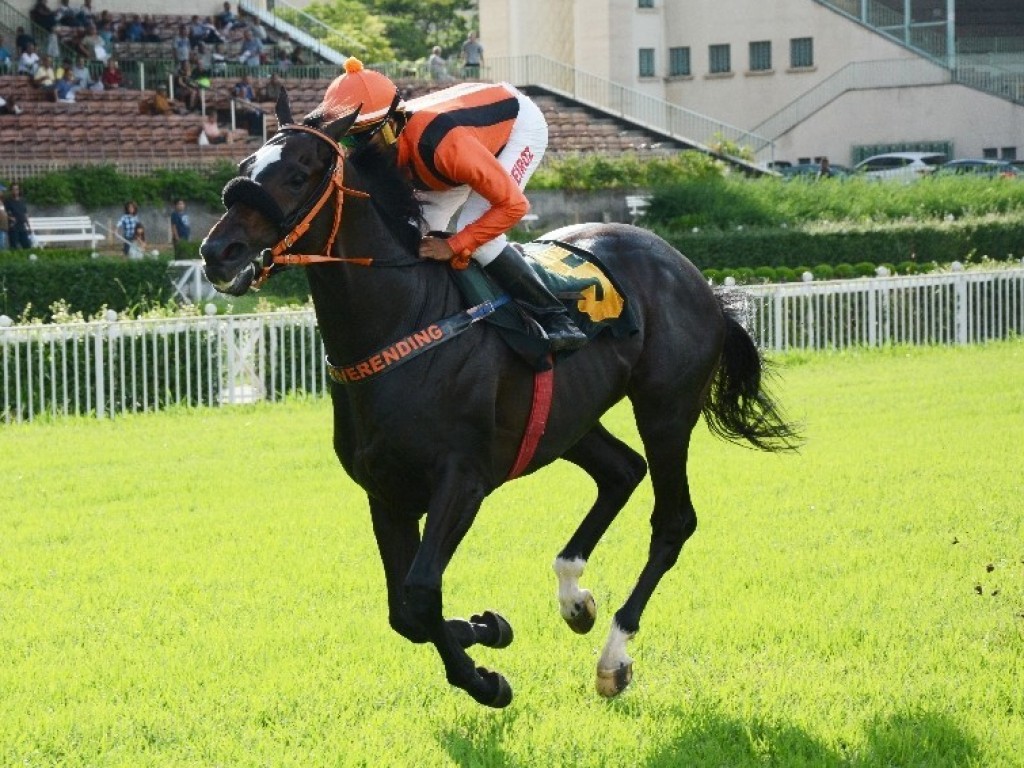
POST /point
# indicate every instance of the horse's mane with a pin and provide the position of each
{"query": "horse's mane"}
(390, 190)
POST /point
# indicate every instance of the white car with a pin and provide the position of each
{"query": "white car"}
(906, 166)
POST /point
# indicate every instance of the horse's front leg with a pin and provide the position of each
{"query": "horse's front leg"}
(453, 508)
(398, 540)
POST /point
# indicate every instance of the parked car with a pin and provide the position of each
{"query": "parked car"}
(905, 166)
(981, 167)
(804, 170)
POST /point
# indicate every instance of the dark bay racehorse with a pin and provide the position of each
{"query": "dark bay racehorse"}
(436, 435)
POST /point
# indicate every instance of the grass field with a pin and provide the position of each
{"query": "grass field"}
(202, 588)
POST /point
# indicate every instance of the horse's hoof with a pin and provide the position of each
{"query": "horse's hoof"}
(501, 694)
(612, 682)
(500, 628)
(584, 614)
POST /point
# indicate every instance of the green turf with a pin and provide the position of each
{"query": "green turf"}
(202, 588)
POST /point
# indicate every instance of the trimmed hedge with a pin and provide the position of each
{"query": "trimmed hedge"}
(89, 285)
(998, 238)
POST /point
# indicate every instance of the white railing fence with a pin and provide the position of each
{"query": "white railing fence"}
(107, 368)
(945, 308)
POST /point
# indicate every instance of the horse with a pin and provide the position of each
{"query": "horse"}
(437, 434)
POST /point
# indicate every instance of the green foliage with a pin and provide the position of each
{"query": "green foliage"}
(98, 186)
(853, 201)
(975, 240)
(582, 172)
(82, 283)
(348, 26)
(413, 27)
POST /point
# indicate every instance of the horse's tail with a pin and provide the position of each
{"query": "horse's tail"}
(738, 406)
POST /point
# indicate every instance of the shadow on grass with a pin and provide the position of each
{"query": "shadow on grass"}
(919, 738)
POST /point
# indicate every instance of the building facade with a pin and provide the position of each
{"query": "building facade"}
(839, 79)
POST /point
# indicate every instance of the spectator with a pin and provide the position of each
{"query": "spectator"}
(65, 88)
(150, 31)
(196, 31)
(92, 46)
(45, 78)
(43, 16)
(226, 20)
(111, 77)
(472, 56)
(158, 104)
(105, 29)
(28, 62)
(260, 32)
(272, 90)
(211, 132)
(22, 39)
(4, 223)
(6, 63)
(82, 75)
(182, 47)
(8, 106)
(127, 224)
(65, 14)
(437, 65)
(85, 16)
(181, 228)
(18, 229)
(132, 31)
(284, 62)
(243, 93)
(824, 169)
(186, 88)
(252, 50)
(137, 245)
(202, 64)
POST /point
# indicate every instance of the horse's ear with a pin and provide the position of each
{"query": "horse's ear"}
(283, 108)
(336, 129)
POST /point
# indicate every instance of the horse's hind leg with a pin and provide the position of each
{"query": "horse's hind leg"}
(617, 470)
(666, 438)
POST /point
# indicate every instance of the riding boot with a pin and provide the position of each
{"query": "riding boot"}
(512, 273)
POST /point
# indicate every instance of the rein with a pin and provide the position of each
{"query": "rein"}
(334, 187)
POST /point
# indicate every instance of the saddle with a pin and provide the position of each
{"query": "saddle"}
(575, 276)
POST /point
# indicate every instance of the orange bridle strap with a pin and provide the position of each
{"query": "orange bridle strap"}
(336, 188)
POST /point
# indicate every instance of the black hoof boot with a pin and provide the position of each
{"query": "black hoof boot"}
(497, 633)
(499, 694)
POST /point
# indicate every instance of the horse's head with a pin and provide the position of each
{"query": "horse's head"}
(274, 202)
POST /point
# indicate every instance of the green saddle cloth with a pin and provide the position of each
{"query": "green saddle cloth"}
(575, 276)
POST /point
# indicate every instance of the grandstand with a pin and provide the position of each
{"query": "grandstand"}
(106, 127)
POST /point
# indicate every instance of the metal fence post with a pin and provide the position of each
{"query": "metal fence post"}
(99, 374)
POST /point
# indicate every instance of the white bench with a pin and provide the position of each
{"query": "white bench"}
(637, 205)
(64, 229)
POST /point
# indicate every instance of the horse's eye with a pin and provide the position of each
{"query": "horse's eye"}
(296, 180)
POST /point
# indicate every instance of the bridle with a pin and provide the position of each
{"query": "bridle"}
(332, 186)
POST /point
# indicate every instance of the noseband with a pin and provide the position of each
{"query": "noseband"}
(332, 186)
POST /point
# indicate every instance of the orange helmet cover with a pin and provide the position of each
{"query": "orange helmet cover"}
(370, 92)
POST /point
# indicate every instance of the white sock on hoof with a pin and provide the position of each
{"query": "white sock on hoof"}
(569, 592)
(614, 654)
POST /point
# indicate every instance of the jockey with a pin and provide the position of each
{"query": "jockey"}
(471, 147)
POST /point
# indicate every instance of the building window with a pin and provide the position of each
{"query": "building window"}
(801, 52)
(1008, 153)
(645, 4)
(678, 61)
(990, 153)
(718, 59)
(646, 62)
(761, 56)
